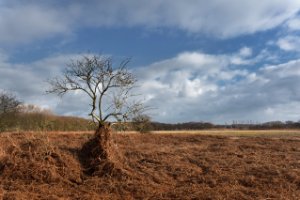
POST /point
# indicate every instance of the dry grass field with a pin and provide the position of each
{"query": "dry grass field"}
(213, 164)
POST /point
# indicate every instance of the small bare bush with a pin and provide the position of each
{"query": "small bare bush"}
(142, 123)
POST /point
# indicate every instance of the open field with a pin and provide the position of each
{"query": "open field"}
(232, 132)
(163, 165)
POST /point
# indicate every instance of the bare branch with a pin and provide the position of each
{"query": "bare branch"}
(108, 88)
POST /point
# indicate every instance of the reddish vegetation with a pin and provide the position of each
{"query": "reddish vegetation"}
(54, 166)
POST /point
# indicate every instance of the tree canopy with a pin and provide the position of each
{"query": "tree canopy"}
(8, 103)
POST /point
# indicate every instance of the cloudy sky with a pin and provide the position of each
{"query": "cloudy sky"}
(196, 60)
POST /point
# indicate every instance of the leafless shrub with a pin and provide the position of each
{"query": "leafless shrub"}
(8, 103)
(142, 123)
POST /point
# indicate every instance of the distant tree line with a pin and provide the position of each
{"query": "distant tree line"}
(43, 122)
(182, 126)
(263, 126)
(16, 116)
(239, 126)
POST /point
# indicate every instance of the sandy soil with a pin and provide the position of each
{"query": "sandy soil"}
(154, 166)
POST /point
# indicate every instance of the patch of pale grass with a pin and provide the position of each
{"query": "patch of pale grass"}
(228, 132)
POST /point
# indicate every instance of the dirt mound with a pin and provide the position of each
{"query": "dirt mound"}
(36, 159)
(101, 157)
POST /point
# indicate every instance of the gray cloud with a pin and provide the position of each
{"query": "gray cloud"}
(29, 81)
(220, 18)
(293, 24)
(289, 40)
(22, 21)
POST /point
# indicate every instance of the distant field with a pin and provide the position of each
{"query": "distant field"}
(214, 132)
(181, 165)
(226, 132)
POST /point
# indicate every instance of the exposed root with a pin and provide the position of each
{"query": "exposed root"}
(100, 157)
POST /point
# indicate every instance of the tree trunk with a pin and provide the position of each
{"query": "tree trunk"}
(98, 155)
(103, 139)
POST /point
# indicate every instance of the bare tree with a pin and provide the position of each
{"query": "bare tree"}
(142, 123)
(9, 106)
(8, 103)
(108, 88)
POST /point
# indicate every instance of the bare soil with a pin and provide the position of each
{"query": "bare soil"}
(154, 166)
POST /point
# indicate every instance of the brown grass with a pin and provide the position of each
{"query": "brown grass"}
(157, 166)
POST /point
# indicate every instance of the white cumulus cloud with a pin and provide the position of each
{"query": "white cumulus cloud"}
(185, 90)
(192, 86)
(289, 43)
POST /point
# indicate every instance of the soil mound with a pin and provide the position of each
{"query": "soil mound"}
(99, 156)
(36, 159)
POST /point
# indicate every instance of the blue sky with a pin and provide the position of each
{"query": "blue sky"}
(196, 60)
